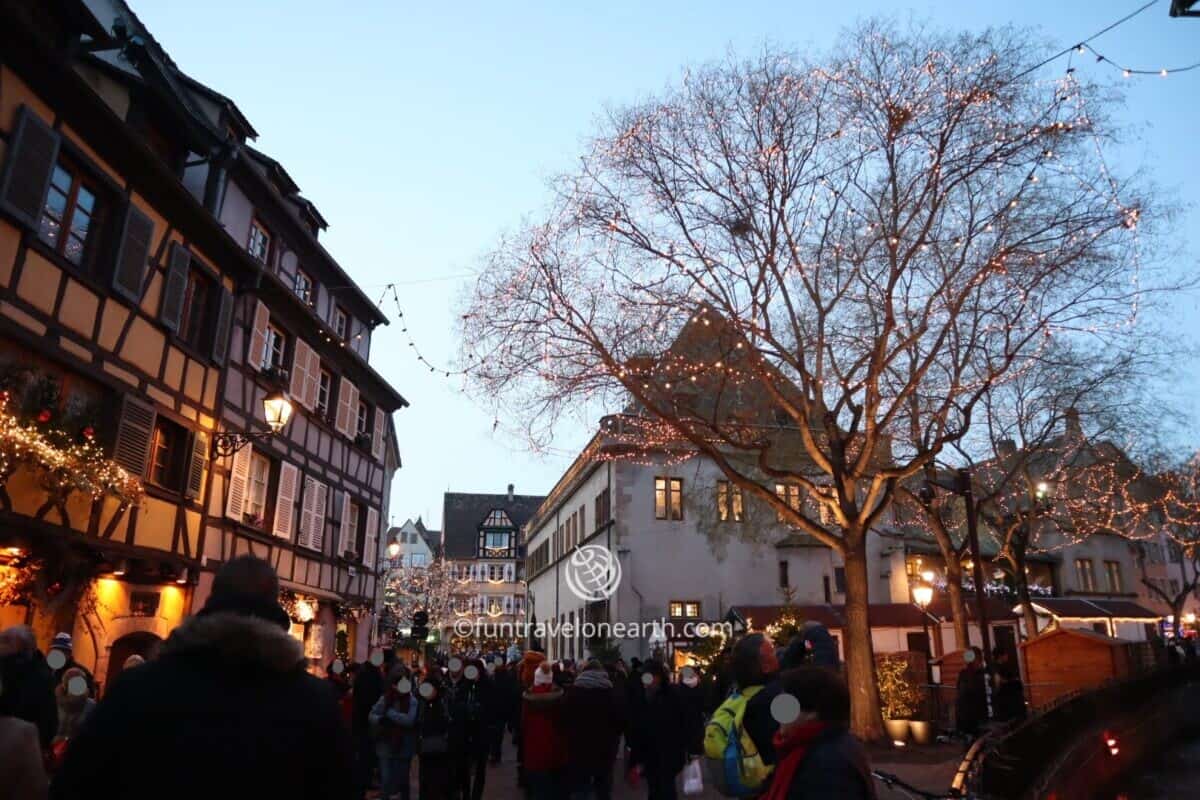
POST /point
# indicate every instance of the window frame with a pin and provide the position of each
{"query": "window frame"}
(1112, 569)
(731, 505)
(341, 323)
(1085, 574)
(264, 237)
(308, 296)
(274, 334)
(188, 316)
(784, 574)
(177, 455)
(80, 180)
(671, 491)
(362, 420)
(257, 457)
(325, 386)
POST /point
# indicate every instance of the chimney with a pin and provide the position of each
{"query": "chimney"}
(510, 493)
(1007, 448)
(1074, 429)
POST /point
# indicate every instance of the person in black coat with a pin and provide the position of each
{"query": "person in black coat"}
(468, 693)
(366, 691)
(817, 758)
(227, 710)
(504, 700)
(1008, 698)
(433, 738)
(659, 732)
(970, 703)
(596, 709)
(27, 682)
(694, 700)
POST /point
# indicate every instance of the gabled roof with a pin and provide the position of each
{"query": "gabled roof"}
(464, 514)
(1080, 608)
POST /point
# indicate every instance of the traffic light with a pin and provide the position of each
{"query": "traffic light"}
(420, 625)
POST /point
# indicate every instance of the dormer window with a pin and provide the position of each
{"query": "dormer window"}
(341, 323)
(259, 245)
(304, 287)
(497, 519)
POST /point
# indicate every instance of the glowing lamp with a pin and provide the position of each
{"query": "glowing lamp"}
(922, 594)
(278, 410)
(1189, 618)
(121, 568)
(928, 576)
(393, 549)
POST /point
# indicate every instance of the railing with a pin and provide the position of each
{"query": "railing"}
(1011, 762)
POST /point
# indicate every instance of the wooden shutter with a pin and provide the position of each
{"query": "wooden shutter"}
(171, 309)
(195, 473)
(372, 538)
(298, 388)
(347, 408)
(134, 432)
(137, 234)
(320, 511)
(224, 322)
(258, 334)
(32, 152)
(378, 433)
(239, 479)
(285, 500)
(314, 379)
(303, 535)
(345, 535)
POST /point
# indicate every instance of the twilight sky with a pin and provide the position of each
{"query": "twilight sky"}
(423, 131)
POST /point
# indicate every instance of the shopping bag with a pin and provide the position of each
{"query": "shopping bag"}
(693, 781)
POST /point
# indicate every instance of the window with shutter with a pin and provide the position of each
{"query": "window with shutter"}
(224, 322)
(133, 253)
(173, 290)
(303, 530)
(195, 473)
(134, 432)
(32, 152)
(299, 375)
(258, 335)
(239, 474)
(377, 434)
(510, 572)
(285, 500)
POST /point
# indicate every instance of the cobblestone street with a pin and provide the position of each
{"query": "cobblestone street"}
(930, 768)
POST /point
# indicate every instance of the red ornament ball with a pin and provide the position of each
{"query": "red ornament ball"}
(89, 432)
(43, 416)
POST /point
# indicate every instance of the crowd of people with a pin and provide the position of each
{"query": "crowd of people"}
(228, 708)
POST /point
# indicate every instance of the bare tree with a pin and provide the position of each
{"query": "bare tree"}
(811, 273)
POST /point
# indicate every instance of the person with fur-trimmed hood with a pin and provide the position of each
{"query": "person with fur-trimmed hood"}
(227, 710)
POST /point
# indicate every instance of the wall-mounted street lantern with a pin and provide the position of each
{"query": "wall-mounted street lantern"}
(277, 408)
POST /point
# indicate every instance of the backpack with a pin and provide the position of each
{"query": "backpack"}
(735, 767)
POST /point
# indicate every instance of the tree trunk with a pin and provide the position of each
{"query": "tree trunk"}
(958, 609)
(866, 720)
(1022, 583)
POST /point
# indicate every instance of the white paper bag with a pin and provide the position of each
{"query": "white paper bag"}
(693, 782)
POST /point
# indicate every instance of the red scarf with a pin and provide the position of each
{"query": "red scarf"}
(790, 749)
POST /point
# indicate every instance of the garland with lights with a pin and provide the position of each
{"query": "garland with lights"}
(64, 462)
(299, 607)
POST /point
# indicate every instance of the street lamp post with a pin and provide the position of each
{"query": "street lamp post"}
(277, 410)
(922, 594)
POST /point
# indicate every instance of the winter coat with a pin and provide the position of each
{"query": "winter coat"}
(29, 693)
(693, 700)
(503, 698)
(395, 723)
(468, 707)
(21, 771)
(760, 723)
(835, 767)
(368, 686)
(543, 735)
(227, 710)
(597, 711)
(970, 704)
(659, 731)
(433, 721)
(72, 711)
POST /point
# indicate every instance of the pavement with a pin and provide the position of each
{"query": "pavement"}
(930, 768)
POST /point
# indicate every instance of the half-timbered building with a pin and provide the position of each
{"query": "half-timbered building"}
(158, 278)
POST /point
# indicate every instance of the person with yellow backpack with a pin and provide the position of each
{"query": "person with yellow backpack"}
(737, 746)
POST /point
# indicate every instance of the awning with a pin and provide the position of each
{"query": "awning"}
(1079, 608)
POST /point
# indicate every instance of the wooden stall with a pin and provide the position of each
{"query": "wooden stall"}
(1065, 660)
